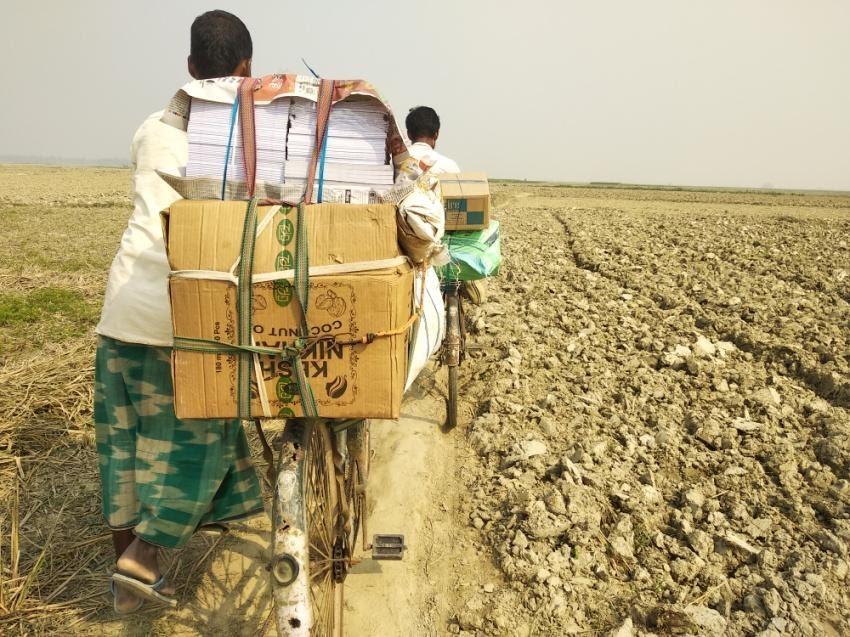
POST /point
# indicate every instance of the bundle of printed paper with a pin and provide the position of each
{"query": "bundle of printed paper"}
(355, 167)
(215, 141)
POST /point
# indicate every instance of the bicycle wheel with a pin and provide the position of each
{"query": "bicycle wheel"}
(357, 475)
(451, 402)
(306, 542)
(453, 347)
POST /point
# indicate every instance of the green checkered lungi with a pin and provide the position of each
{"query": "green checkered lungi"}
(160, 476)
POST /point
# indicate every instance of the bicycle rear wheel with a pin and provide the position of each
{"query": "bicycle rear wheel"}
(451, 401)
(306, 540)
(357, 475)
(453, 347)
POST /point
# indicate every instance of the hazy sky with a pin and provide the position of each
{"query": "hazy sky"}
(720, 92)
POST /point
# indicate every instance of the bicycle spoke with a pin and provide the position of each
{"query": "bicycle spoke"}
(320, 552)
(325, 595)
(318, 518)
(329, 604)
(322, 507)
(322, 597)
(320, 572)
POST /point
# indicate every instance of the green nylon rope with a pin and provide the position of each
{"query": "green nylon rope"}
(245, 310)
(208, 346)
(302, 291)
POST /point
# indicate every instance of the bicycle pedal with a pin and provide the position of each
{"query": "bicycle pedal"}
(388, 547)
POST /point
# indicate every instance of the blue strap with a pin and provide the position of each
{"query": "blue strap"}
(316, 75)
(322, 163)
(233, 113)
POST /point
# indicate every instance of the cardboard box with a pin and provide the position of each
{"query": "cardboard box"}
(361, 381)
(466, 198)
(206, 235)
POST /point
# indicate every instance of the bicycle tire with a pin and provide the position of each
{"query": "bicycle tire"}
(454, 345)
(357, 476)
(451, 402)
(305, 511)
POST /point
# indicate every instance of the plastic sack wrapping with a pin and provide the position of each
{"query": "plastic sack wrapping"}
(421, 216)
(421, 222)
(430, 329)
(475, 254)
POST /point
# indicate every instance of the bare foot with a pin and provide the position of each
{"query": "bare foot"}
(140, 561)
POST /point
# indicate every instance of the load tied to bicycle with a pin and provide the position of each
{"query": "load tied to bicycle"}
(292, 256)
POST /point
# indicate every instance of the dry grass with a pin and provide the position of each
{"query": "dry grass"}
(54, 251)
(55, 553)
(51, 543)
(61, 228)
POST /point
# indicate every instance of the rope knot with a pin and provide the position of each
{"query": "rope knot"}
(296, 349)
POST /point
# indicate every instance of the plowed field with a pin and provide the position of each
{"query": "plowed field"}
(655, 438)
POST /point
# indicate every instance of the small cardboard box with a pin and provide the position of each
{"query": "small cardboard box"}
(466, 198)
(360, 381)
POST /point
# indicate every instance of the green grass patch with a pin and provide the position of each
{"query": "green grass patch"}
(37, 317)
(20, 308)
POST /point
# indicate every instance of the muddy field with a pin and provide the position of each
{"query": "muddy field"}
(656, 433)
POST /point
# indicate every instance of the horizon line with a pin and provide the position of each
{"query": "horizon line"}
(106, 162)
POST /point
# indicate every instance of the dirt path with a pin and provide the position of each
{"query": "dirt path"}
(409, 492)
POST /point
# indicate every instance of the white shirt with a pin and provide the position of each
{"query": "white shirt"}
(439, 163)
(136, 308)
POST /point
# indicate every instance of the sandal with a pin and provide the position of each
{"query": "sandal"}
(220, 527)
(146, 591)
(115, 602)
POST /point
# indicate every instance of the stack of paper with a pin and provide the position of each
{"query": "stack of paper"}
(362, 174)
(357, 132)
(356, 167)
(209, 132)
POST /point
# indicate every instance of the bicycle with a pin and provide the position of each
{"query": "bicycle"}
(453, 351)
(318, 513)
(454, 345)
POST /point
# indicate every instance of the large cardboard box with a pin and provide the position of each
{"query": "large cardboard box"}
(206, 235)
(466, 198)
(360, 381)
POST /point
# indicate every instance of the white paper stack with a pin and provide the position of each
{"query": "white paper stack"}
(209, 131)
(357, 132)
(362, 174)
(356, 166)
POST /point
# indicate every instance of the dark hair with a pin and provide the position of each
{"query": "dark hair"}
(422, 121)
(219, 42)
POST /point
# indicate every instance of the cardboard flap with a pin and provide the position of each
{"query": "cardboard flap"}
(206, 235)
(464, 185)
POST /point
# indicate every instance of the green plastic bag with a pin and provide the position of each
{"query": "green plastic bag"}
(476, 254)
